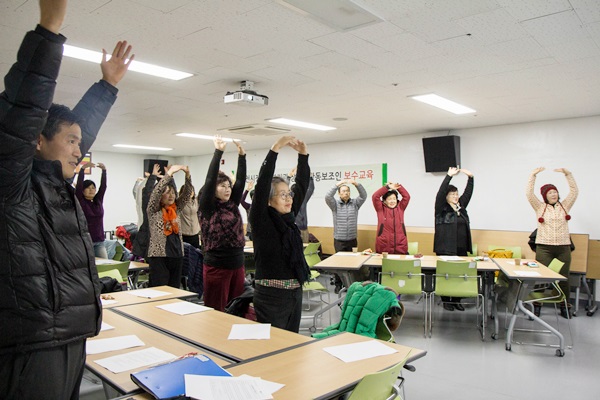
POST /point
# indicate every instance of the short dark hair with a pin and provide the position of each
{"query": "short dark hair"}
(450, 189)
(59, 115)
(222, 177)
(87, 183)
(388, 194)
(341, 186)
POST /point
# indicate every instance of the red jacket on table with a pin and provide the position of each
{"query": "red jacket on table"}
(391, 234)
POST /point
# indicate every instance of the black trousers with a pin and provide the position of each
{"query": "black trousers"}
(194, 240)
(545, 253)
(53, 373)
(344, 245)
(281, 308)
(165, 271)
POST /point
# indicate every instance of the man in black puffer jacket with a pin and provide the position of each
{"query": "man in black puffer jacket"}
(49, 292)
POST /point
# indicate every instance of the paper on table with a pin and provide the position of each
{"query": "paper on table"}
(266, 386)
(105, 261)
(116, 343)
(527, 273)
(184, 308)
(107, 302)
(398, 257)
(348, 254)
(451, 258)
(223, 388)
(135, 359)
(359, 351)
(147, 293)
(106, 327)
(250, 331)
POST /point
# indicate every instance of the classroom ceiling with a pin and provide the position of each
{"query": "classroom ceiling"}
(513, 61)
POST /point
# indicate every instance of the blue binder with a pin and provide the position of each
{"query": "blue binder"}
(166, 381)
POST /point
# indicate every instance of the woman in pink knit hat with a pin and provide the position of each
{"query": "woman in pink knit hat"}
(553, 239)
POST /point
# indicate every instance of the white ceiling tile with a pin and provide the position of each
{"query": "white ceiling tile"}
(526, 10)
(493, 27)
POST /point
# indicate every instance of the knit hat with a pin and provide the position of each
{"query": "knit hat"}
(545, 189)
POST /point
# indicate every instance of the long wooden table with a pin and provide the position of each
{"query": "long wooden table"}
(522, 280)
(344, 264)
(210, 329)
(122, 382)
(126, 297)
(309, 372)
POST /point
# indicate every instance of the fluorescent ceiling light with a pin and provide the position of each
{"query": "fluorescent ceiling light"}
(444, 104)
(300, 124)
(206, 137)
(133, 146)
(342, 15)
(137, 66)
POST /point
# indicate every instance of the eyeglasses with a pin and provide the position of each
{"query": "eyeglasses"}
(285, 195)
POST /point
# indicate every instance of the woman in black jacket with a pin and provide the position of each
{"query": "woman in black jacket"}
(281, 269)
(452, 229)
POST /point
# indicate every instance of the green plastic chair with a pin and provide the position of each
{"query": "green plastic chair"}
(406, 278)
(459, 279)
(118, 252)
(516, 250)
(380, 385)
(413, 248)
(552, 294)
(311, 254)
(121, 267)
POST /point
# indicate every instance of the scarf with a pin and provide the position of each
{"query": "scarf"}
(291, 242)
(169, 214)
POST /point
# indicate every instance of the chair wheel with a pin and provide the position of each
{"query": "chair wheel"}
(508, 347)
(312, 329)
(495, 336)
(560, 353)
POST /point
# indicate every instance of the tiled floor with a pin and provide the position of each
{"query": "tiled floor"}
(459, 365)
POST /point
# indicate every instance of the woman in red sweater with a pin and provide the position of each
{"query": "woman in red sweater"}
(391, 233)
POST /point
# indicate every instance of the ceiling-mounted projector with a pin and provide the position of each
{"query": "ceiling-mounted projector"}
(246, 96)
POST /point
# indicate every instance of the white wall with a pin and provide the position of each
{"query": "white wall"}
(500, 157)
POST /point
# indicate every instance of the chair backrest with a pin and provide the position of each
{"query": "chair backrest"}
(122, 267)
(555, 265)
(404, 276)
(456, 279)
(413, 248)
(112, 273)
(473, 252)
(118, 252)
(378, 385)
(516, 250)
(311, 254)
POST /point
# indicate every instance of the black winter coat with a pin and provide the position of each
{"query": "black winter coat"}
(49, 287)
(445, 238)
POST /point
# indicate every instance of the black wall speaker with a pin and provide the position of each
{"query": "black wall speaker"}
(441, 153)
(149, 165)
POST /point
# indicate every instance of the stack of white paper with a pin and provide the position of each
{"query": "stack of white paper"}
(229, 388)
(250, 331)
(117, 343)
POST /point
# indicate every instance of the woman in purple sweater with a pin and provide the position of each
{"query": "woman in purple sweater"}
(91, 204)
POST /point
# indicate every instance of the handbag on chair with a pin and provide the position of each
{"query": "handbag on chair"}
(500, 253)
